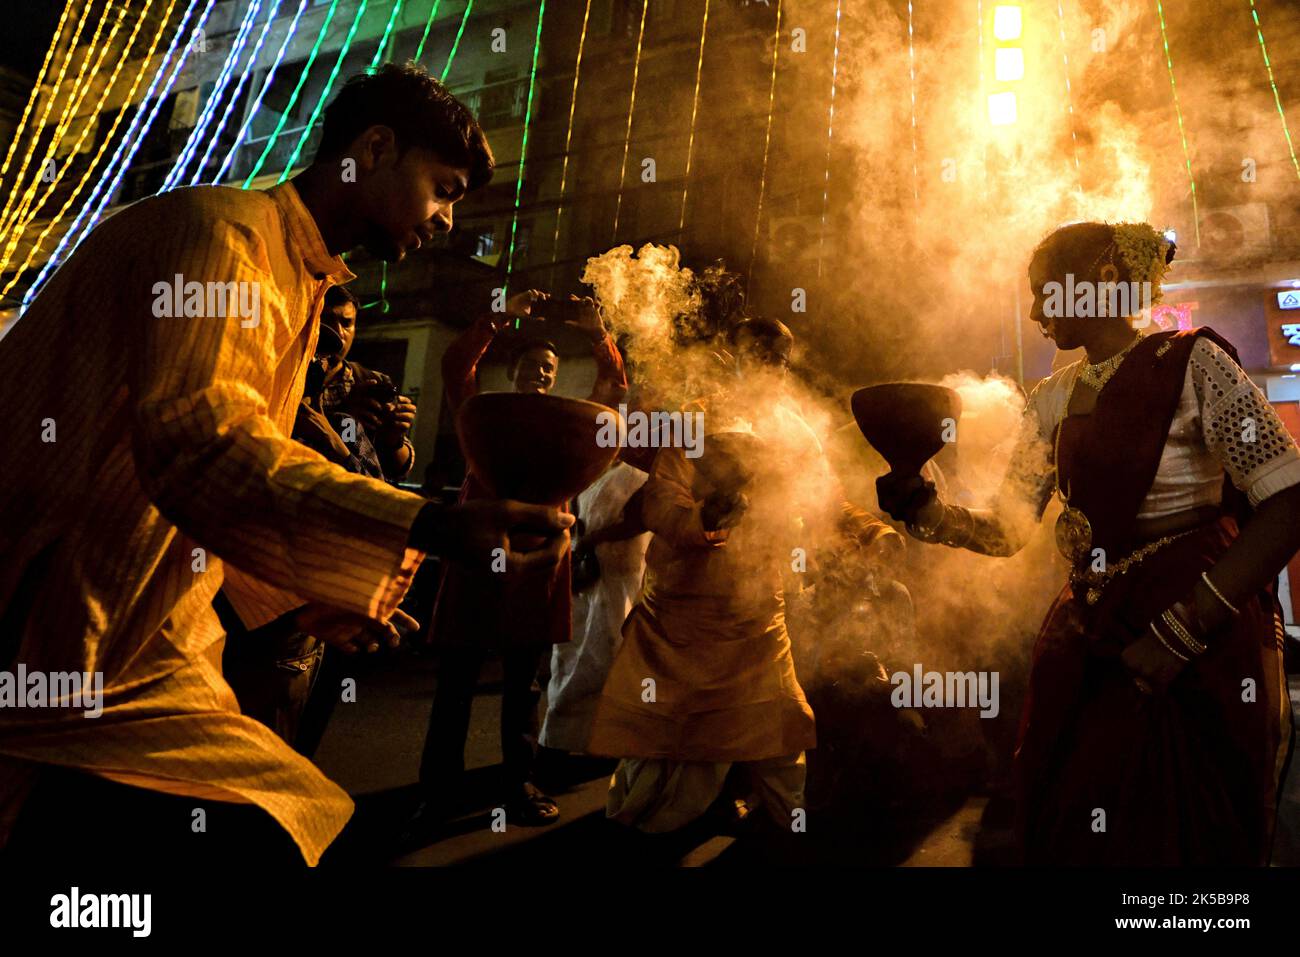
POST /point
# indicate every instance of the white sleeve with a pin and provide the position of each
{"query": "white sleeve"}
(1241, 429)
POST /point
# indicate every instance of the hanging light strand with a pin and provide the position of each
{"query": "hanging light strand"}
(36, 88)
(767, 141)
(388, 30)
(523, 148)
(293, 98)
(324, 94)
(12, 200)
(103, 146)
(631, 108)
(455, 45)
(249, 68)
(261, 95)
(428, 24)
(28, 207)
(568, 135)
(695, 109)
(1178, 112)
(141, 122)
(830, 128)
(199, 133)
(1277, 98)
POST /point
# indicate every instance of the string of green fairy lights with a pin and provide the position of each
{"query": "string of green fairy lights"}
(428, 25)
(324, 94)
(382, 301)
(455, 45)
(523, 147)
(293, 98)
(1277, 99)
(1178, 112)
(388, 31)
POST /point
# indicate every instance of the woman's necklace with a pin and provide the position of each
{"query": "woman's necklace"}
(1096, 376)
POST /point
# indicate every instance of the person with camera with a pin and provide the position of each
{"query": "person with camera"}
(466, 623)
(283, 676)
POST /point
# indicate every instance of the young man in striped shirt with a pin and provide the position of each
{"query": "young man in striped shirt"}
(157, 464)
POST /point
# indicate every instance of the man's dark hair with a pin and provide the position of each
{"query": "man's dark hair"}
(527, 346)
(341, 296)
(419, 110)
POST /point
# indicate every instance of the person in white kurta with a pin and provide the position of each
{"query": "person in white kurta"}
(579, 667)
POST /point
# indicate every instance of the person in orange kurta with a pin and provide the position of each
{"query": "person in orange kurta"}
(704, 683)
(467, 623)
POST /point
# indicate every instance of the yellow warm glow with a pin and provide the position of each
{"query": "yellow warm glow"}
(1002, 109)
(1009, 63)
(1006, 22)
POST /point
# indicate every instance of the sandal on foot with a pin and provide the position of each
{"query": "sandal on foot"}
(532, 808)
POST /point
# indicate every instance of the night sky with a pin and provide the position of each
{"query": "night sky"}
(28, 27)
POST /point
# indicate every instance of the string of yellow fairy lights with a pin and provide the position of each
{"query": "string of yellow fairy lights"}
(568, 136)
(28, 211)
(695, 110)
(631, 108)
(108, 138)
(82, 84)
(36, 88)
(45, 115)
(767, 141)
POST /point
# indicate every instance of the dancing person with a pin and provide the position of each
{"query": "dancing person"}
(613, 543)
(1157, 719)
(468, 619)
(157, 461)
(702, 706)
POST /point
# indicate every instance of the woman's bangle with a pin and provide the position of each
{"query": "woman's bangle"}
(1218, 594)
(1181, 623)
(1168, 645)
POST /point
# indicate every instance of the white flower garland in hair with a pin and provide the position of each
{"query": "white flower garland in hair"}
(1143, 251)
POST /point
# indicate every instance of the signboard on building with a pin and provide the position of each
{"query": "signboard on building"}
(1283, 316)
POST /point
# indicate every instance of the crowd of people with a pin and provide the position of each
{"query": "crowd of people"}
(209, 515)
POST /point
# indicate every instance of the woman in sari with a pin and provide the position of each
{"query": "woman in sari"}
(1157, 725)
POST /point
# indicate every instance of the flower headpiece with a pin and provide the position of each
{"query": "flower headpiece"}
(1142, 250)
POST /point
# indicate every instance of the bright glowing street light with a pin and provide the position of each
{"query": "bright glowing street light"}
(1009, 63)
(1002, 108)
(1006, 22)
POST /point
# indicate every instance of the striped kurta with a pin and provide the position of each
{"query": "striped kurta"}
(149, 459)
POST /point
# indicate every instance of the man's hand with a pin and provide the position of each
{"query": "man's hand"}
(352, 632)
(531, 536)
(398, 417)
(318, 434)
(589, 322)
(520, 305)
(363, 405)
